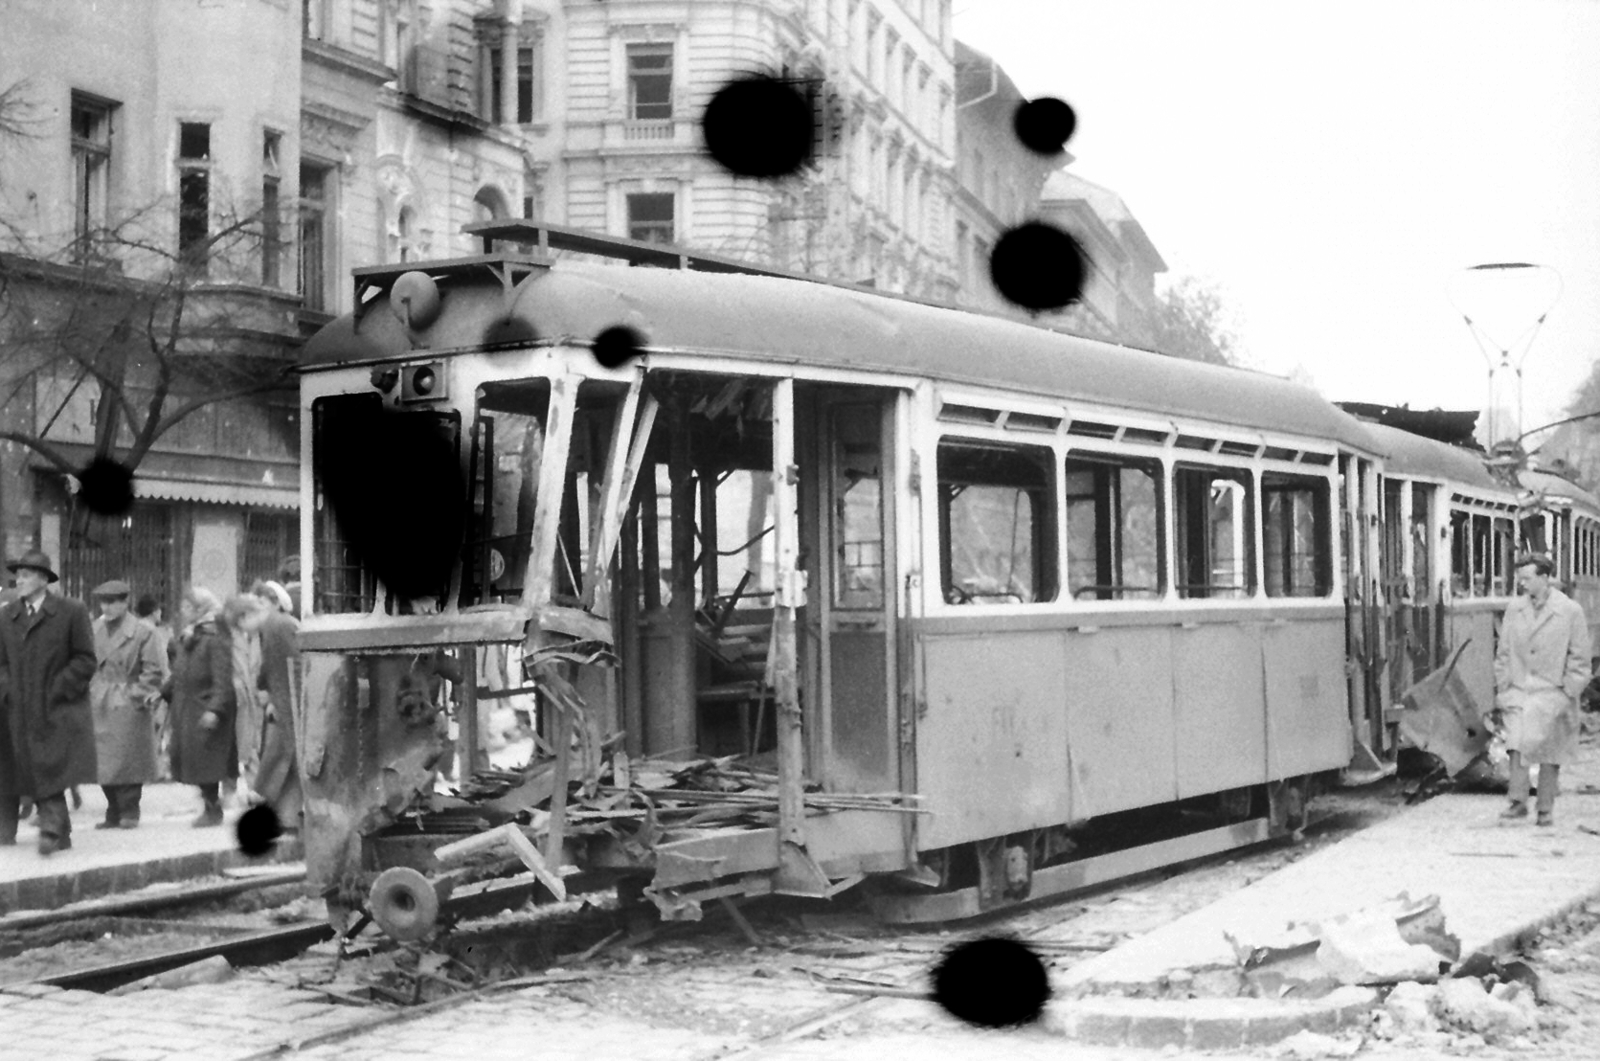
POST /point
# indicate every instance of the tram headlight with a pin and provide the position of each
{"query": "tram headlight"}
(422, 383)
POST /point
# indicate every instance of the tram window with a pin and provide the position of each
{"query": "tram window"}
(997, 529)
(1482, 556)
(858, 500)
(1295, 550)
(1460, 552)
(1422, 541)
(1533, 539)
(368, 465)
(1214, 540)
(1114, 539)
(1504, 557)
(505, 481)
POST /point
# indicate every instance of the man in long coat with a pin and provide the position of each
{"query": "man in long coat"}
(203, 706)
(124, 693)
(47, 741)
(278, 776)
(1540, 668)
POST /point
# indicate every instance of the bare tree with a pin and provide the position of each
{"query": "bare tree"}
(1191, 321)
(116, 314)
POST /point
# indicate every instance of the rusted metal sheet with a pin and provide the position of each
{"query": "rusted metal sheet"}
(1121, 732)
(713, 854)
(854, 841)
(1443, 718)
(380, 634)
(1477, 621)
(1221, 714)
(994, 735)
(1308, 720)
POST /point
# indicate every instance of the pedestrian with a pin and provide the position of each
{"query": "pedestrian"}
(289, 579)
(47, 742)
(149, 609)
(1540, 667)
(278, 777)
(201, 696)
(241, 619)
(124, 694)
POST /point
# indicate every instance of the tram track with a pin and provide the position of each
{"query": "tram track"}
(833, 963)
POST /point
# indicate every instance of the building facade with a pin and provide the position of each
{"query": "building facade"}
(144, 253)
(1119, 298)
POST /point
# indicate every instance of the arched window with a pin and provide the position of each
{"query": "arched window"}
(405, 232)
(489, 205)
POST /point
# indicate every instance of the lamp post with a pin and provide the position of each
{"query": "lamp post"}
(1506, 293)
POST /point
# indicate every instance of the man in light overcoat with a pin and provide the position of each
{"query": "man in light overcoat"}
(1540, 668)
(47, 741)
(124, 694)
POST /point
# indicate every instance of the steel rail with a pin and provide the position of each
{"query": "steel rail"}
(260, 948)
(126, 904)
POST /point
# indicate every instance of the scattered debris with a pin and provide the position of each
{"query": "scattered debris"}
(212, 970)
(1310, 1044)
(1462, 1002)
(1411, 1008)
(1399, 939)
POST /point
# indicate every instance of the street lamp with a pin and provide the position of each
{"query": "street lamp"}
(1494, 299)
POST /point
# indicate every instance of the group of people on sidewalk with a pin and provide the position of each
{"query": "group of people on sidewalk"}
(118, 699)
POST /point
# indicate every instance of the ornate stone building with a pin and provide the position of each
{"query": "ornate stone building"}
(315, 136)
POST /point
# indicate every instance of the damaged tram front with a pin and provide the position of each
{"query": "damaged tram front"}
(494, 518)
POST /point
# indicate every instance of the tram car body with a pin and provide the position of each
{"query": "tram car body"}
(1017, 587)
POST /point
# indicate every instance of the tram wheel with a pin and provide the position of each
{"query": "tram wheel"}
(404, 903)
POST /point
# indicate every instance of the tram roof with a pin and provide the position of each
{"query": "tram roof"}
(1553, 485)
(835, 327)
(1414, 455)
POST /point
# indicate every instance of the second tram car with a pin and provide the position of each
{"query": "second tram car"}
(1005, 589)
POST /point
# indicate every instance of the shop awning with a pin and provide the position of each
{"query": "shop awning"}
(217, 493)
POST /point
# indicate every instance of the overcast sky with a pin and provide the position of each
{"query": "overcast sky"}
(1332, 165)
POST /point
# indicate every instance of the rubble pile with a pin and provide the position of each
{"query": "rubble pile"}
(629, 799)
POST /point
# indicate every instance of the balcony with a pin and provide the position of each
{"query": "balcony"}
(654, 130)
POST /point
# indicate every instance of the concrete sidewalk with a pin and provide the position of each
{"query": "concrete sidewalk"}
(103, 862)
(1497, 881)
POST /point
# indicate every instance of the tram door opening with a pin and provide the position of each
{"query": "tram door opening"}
(850, 527)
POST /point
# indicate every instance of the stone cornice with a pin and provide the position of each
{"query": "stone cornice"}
(352, 64)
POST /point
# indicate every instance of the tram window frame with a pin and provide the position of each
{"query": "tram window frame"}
(329, 538)
(1301, 494)
(1503, 536)
(1189, 532)
(1482, 554)
(1461, 564)
(957, 463)
(1108, 530)
(527, 399)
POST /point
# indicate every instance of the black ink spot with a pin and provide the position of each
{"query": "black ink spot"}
(618, 345)
(509, 331)
(106, 486)
(1044, 125)
(257, 828)
(993, 983)
(758, 127)
(396, 487)
(1038, 266)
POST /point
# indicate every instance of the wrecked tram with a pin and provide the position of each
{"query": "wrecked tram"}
(826, 588)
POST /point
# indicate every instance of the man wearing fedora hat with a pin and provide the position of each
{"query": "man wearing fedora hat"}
(123, 695)
(47, 660)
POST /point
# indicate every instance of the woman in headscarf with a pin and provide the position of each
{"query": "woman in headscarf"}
(203, 702)
(278, 776)
(241, 618)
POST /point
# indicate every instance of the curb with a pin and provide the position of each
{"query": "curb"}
(96, 882)
(1203, 1023)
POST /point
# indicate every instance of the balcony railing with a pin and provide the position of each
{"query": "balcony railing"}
(659, 129)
